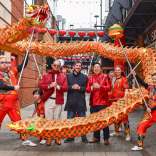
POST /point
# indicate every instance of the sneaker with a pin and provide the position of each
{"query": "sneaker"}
(43, 142)
(114, 134)
(68, 140)
(120, 129)
(28, 143)
(136, 148)
(128, 138)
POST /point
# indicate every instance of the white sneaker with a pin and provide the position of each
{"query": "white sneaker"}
(114, 134)
(120, 129)
(136, 148)
(28, 143)
(43, 142)
(128, 138)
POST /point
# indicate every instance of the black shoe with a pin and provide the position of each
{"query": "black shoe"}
(84, 140)
(68, 140)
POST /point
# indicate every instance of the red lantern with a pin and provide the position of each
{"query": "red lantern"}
(52, 31)
(100, 33)
(62, 32)
(60, 57)
(43, 30)
(78, 58)
(73, 58)
(81, 33)
(69, 58)
(92, 57)
(72, 33)
(91, 33)
(87, 58)
(64, 58)
(83, 58)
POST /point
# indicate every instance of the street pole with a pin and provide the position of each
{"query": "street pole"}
(71, 27)
(96, 30)
(109, 5)
(101, 12)
(96, 16)
(90, 20)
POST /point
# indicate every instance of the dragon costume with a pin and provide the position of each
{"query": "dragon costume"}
(10, 40)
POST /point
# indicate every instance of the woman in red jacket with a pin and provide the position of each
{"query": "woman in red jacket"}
(120, 88)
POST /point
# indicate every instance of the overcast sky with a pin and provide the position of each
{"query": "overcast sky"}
(80, 12)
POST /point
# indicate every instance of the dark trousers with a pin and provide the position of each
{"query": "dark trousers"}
(105, 130)
(71, 115)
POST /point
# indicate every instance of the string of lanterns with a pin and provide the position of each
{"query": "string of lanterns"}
(70, 67)
(76, 58)
(73, 33)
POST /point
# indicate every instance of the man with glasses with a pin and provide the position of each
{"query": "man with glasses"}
(76, 96)
(54, 84)
(9, 103)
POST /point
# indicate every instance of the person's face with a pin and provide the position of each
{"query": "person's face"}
(111, 75)
(154, 80)
(118, 71)
(4, 64)
(97, 69)
(37, 96)
(77, 67)
(56, 65)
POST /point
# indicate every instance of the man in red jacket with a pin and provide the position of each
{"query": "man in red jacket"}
(99, 86)
(54, 84)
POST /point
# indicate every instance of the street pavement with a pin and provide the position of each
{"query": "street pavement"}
(11, 145)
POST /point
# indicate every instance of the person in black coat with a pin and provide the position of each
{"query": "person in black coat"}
(76, 95)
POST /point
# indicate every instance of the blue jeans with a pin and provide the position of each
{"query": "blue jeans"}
(105, 130)
(71, 115)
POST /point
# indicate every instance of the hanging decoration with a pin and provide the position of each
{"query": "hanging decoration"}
(91, 33)
(43, 30)
(87, 57)
(52, 31)
(83, 58)
(69, 58)
(62, 32)
(73, 58)
(100, 33)
(81, 33)
(78, 58)
(72, 33)
(64, 58)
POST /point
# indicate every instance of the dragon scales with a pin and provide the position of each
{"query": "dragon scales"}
(64, 128)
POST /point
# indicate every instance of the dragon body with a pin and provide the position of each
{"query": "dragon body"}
(10, 40)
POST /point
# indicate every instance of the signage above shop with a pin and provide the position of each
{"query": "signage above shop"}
(150, 38)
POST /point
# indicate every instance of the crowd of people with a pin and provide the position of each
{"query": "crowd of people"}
(49, 98)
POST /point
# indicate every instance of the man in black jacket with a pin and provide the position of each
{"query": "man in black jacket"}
(76, 95)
